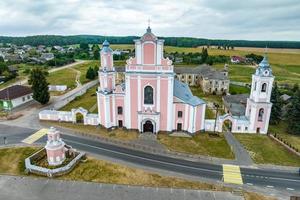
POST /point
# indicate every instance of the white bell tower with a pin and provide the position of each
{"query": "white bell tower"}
(258, 108)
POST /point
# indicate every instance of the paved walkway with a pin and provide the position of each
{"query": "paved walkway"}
(149, 139)
(241, 154)
(26, 188)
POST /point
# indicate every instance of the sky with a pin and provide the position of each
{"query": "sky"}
(215, 19)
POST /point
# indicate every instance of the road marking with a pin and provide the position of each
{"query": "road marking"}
(270, 186)
(232, 174)
(36, 136)
(289, 188)
(157, 161)
(249, 184)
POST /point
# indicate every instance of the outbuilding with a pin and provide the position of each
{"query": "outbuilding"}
(14, 96)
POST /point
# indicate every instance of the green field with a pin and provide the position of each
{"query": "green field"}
(199, 144)
(87, 101)
(263, 150)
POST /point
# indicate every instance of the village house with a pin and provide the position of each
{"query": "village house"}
(14, 96)
(46, 57)
(210, 80)
(237, 59)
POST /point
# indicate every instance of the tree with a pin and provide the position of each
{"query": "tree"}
(90, 74)
(204, 55)
(293, 114)
(39, 85)
(96, 69)
(96, 50)
(295, 87)
(84, 46)
(277, 105)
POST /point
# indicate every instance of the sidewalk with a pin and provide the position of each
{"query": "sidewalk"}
(241, 154)
(26, 188)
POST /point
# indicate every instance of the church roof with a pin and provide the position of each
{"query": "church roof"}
(105, 47)
(183, 92)
(149, 35)
(236, 104)
(264, 68)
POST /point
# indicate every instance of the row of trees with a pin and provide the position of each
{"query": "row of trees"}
(51, 40)
(199, 58)
(292, 114)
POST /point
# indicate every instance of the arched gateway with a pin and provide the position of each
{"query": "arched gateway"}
(148, 126)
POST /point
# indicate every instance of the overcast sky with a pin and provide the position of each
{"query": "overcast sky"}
(231, 19)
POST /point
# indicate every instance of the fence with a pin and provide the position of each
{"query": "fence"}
(50, 172)
(288, 146)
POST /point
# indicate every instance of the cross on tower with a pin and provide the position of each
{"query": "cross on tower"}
(149, 22)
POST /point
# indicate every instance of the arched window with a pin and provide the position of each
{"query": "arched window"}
(260, 114)
(148, 95)
(264, 87)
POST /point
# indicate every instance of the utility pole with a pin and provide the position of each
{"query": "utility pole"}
(216, 106)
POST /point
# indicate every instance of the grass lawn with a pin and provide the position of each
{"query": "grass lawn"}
(12, 159)
(236, 89)
(281, 130)
(263, 150)
(94, 130)
(200, 144)
(63, 77)
(86, 101)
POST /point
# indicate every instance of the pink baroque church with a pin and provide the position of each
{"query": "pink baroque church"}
(151, 99)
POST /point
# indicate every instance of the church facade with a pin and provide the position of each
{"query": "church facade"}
(150, 99)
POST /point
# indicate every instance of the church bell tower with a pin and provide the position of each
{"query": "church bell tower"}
(107, 71)
(258, 108)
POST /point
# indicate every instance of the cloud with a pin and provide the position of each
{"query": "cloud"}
(235, 19)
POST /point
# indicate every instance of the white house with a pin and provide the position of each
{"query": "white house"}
(14, 96)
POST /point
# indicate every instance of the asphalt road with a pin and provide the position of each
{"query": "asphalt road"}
(277, 179)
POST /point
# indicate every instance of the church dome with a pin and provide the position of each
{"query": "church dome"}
(264, 68)
(105, 47)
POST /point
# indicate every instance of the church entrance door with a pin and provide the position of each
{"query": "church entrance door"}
(148, 126)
